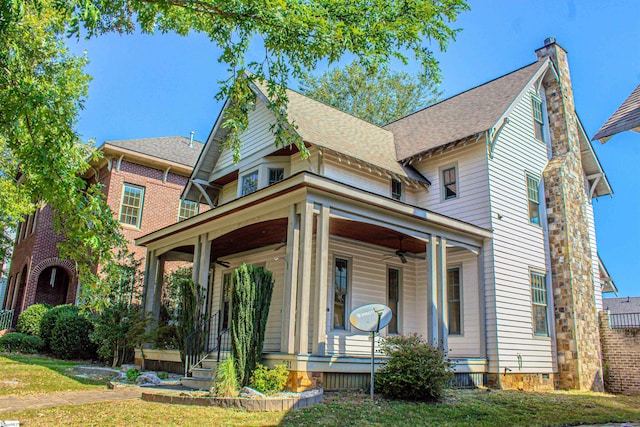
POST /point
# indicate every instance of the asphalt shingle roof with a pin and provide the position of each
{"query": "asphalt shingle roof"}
(626, 117)
(622, 305)
(460, 116)
(172, 148)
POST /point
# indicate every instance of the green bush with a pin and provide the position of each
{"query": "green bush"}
(70, 337)
(29, 320)
(50, 318)
(132, 375)
(269, 381)
(415, 369)
(19, 342)
(226, 379)
(117, 330)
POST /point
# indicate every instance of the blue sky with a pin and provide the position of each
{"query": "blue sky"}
(146, 86)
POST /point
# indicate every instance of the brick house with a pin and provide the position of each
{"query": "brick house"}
(142, 178)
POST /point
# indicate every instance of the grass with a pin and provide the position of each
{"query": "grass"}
(23, 374)
(461, 408)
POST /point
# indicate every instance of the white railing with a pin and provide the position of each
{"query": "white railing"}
(6, 318)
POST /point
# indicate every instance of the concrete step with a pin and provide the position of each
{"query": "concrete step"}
(209, 364)
(196, 383)
(203, 373)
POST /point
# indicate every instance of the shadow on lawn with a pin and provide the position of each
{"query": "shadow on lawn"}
(61, 367)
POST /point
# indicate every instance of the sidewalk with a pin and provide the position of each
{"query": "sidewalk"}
(62, 398)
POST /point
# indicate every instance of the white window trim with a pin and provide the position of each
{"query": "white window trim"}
(245, 174)
(399, 323)
(347, 302)
(459, 266)
(546, 288)
(441, 180)
(402, 190)
(180, 218)
(262, 167)
(538, 178)
(144, 193)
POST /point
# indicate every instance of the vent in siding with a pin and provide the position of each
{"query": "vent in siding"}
(463, 380)
(333, 381)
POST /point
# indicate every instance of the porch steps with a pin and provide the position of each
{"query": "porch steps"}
(203, 378)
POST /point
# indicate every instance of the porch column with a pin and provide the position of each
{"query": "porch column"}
(290, 282)
(481, 302)
(203, 263)
(443, 318)
(304, 279)
(432, 292)
(195, 266)
(157, 298)
(148, 289)
(322, 274)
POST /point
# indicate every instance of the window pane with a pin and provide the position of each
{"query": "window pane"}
(187, 209)
(249, 183)
(396, 189)
(393, 299)
(538, 118)
(534, 202)
(131, 208)
(449, 183)
(275, 175)
(453, 299)
(340, 293)
(539, 304)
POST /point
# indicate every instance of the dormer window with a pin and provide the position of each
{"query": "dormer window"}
(538, 117)
(396, 189)
(275, 175)
(249, 183)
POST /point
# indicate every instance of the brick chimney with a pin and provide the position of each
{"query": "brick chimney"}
(576, 321)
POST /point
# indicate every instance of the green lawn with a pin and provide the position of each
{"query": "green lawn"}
(22, 374)
(461, 408)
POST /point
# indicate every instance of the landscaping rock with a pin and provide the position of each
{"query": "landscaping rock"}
(250, 392)
(148, 378)
(126, 367)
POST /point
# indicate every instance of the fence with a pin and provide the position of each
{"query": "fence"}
(624, 321)
(6, 317)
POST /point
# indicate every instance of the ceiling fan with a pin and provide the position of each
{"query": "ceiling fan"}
(402, 254)
(224, 264)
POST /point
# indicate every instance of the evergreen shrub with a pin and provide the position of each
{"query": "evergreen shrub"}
(70, 337)
(29, 320)
(19, 342)
(50, 318)
(270, 381)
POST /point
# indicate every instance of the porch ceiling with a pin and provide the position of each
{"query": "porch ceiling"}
(250, 237)
(375, 235)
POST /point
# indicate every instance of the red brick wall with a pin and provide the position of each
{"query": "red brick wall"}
(621, 357)
(160, 209)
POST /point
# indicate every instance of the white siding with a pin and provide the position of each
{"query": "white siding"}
(472, 203)
(518, 246)
(274, 322)
(356, 177)
(597, 284)
(229, 192)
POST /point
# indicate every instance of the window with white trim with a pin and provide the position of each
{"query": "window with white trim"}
(396, 189)
(538, 117)
(275, 175)
(533, 197)
(187, 209)
(450, 183)
(393, 298)
(249, 183)
(454, 301)
(539, 304)
(340, 293)
(131, 205)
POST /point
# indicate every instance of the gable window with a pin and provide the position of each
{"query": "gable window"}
(453, 301)
(538, 118)
(187, 209)
(533, 196)
(249, 183)
(539, 304)
(131, 206)
(449, 183)
(275, 175)
(396, 189)
(341, 292)
(393, 298)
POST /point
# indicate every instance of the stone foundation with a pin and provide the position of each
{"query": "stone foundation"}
(523, 382)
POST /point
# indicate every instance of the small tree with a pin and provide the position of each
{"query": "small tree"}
(190, 307)
(250, 302)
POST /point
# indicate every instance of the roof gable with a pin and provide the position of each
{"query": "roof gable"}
(626, 117)
(468, 113)
(174, 149)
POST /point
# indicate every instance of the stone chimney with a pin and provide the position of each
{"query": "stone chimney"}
(576, 321)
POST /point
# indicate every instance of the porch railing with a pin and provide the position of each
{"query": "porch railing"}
(624, 321)
(206, 339)
(6, 318)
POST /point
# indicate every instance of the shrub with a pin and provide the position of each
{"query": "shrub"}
(50, 318)
(19, 342)
(117, 330)
(226, 379)
(269, 381)
(415, 369)
(70, 337)
(132, 375)
(29, 320)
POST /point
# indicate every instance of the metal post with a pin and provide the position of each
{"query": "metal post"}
(373, 345)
